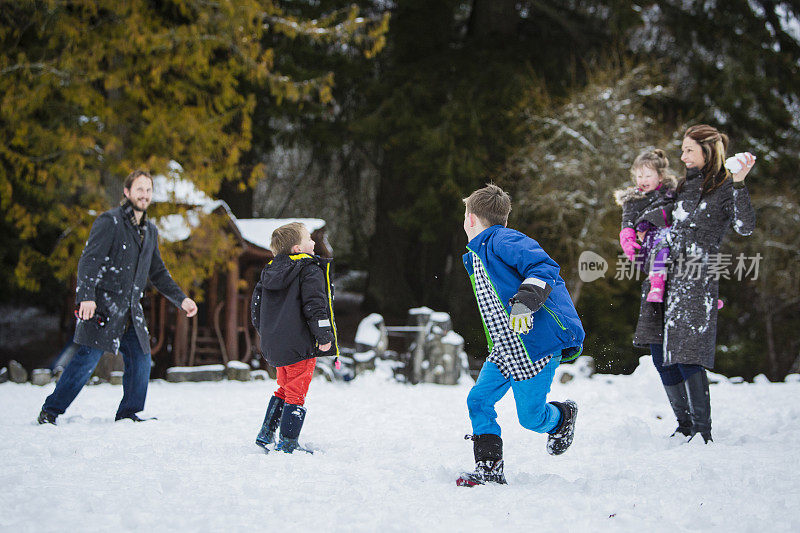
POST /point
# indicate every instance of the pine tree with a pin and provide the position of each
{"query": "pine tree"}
(93, 90)
(735, 65)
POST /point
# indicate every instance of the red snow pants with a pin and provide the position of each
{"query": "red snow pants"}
(294, 379)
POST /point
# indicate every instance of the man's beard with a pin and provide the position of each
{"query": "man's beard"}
(136, 207)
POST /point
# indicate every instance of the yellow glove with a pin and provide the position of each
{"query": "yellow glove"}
(521, 319)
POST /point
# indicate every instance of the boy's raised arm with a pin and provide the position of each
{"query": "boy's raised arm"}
(538, 271)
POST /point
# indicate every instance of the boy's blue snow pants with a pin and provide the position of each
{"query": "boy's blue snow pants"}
(530, 395)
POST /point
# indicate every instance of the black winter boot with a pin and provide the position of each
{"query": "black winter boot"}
(46, 418)
(134, 417)
(676, 394)
(488, 451)
(291, 424)
(561, 437)
(271, 420)
(700, 405)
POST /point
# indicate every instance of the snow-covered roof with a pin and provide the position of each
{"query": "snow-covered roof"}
(174, 189)
(259, 230)
(178, 227)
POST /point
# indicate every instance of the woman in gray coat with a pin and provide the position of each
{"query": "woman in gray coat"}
(646, 215)
(709, 201)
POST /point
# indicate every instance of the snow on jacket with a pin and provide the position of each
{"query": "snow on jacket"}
(113, 272)
(654, 208)
(292, 309)
(518, 268)
(700, 221)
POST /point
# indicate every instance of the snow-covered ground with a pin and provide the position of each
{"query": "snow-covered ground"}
(388, 457)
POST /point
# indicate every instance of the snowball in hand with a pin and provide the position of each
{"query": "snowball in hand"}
(736, 162)
(733, 164)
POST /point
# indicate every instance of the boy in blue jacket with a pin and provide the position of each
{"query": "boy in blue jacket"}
(531, 327)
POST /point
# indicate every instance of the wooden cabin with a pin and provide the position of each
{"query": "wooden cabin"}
(221, 331)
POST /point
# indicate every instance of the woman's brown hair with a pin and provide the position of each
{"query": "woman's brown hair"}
(714, 145)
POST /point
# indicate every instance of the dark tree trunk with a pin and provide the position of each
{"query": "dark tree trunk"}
(390, 253)
(492, 18)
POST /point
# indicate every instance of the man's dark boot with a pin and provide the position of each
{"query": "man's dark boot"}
(676, 394)
(561, 437)
(488, 451)
(271, 420)
(134, 417)
(46, 418)
(291, 424)
(699, 405)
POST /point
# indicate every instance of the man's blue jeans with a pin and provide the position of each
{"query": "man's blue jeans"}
(530, 395)
(81, 366)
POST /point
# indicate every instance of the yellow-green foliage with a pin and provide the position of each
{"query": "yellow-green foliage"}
(211, 246)
(90, 90)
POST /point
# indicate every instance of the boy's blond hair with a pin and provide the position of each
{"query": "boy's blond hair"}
(491, 205)
(286, 237)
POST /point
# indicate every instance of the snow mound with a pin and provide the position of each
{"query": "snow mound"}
(368, 332)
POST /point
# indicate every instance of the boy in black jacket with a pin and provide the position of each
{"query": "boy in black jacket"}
(292, 310)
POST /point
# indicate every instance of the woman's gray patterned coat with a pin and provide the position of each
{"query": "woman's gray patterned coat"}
(700, 221)
(113, 271)
(650, 326)
(638, 206)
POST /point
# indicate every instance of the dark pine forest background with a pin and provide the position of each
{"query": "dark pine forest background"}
(379, 116)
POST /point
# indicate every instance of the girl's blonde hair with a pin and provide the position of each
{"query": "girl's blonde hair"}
(656, 160)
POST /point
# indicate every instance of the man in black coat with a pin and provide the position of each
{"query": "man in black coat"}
(120, 256)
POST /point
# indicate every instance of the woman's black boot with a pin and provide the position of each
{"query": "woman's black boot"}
(700, 404)
(678, 399)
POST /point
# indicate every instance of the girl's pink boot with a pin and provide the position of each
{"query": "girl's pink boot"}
(657, 283)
